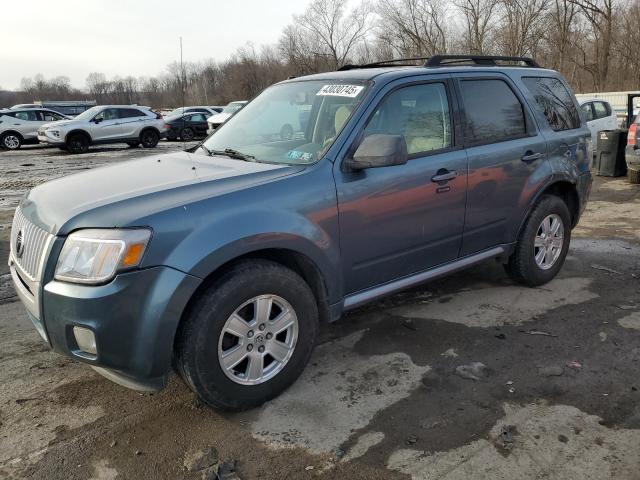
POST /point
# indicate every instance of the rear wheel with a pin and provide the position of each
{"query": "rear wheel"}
(149, 138)
(543, 243)
(77, 143)
(133, 144)
(248, 336)
(11, 141)
(286, 132)
(187, 134)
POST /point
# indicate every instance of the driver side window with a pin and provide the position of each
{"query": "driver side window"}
(107, 114)
(420, 113)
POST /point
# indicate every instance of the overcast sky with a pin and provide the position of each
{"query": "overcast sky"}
(131, 37)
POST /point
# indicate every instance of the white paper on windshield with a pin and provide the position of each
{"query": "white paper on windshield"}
(341, 90)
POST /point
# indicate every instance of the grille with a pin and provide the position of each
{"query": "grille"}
(34, 243)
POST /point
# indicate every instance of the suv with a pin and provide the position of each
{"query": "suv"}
(227, 112)
(223, 261)
(129, 124)
(20, 126)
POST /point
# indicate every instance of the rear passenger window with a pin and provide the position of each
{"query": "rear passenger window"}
(555, 101)
(493, 112)
(130, 113)
(601, 109)
(420, 113)
(28, 115)
(587, 111)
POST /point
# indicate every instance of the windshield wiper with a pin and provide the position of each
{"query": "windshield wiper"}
(235, 154)
(205, 149)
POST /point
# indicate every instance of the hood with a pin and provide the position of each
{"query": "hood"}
(115, 196)
(59, 123)
(218, 118)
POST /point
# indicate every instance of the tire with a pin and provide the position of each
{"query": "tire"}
(286, 132)
(171, 139)
(633, 175)
(523, 265)
(11, 141)
(149, 138)
(133, 144)
(77, 143)
(202, 339)
(187, 134)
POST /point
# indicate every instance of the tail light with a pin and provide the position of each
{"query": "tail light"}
(167, 126)
(632, 137)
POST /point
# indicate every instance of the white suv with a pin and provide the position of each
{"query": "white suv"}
(20, 126)
(129, 124)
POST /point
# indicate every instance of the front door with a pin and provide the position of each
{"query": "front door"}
(106, 125)
(399, 220)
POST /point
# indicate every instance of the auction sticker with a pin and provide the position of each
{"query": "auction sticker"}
(341, 90)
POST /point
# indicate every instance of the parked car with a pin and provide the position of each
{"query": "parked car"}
(599, 116)
(207, 110)
(632, 151)
(223, 261)
(231, 109)
(20, 126)
(70, 108)
(133, 125)
(186, 126)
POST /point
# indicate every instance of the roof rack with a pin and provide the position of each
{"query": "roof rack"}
(479, 60)
(401, 61)
(449, 60)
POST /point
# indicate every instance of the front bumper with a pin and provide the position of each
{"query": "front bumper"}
(134, 319)
(45, 136)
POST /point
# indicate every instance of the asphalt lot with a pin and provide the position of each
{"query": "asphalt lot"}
(386, 394)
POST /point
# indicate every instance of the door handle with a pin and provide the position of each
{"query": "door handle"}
(530, 156)
(443, 175)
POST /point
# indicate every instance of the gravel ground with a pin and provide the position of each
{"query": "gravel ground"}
(389, 392)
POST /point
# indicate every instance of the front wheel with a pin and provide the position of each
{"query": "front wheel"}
(543, 243)
(248, 336)
(77, 143)
(149, 138)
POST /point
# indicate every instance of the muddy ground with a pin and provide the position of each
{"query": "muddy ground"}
(380, 399)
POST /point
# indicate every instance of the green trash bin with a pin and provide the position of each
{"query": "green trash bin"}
(610, 159)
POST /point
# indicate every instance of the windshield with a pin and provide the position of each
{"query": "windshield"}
(89, 114)
(293, 123)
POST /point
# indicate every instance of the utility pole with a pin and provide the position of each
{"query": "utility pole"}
(182, 79)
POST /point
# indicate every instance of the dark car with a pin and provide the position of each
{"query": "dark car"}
(186, 127)
(222, 262)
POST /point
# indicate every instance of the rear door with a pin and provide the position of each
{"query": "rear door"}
(132, 120)
(27, 122)
(198, 123)
(505, 152)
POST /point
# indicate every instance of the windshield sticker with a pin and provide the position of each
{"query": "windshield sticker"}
(341, 90)
(296, 155)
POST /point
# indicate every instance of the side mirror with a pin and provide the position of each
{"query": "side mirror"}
(97, 120)
(379, 151)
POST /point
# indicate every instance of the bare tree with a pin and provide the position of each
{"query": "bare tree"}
(334, 30)
(479, 24)
(414, 27)
(522, 26)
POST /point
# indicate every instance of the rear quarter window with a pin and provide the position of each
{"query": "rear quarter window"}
(555, 102)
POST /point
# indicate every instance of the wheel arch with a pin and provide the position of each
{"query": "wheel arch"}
(562, 188)
(77, 131)
(15, 132)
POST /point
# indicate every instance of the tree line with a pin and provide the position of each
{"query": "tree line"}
(591, 42)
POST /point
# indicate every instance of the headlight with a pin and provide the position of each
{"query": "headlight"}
(96, 255)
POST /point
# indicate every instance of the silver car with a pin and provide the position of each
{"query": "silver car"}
(20, 126)
(131, 124)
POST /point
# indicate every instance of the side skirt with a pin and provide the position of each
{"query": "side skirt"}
(360, 298)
